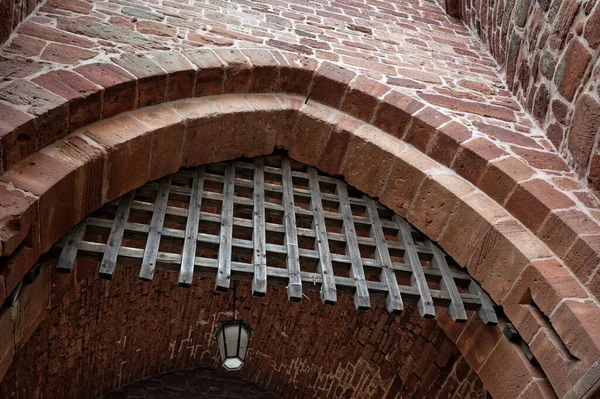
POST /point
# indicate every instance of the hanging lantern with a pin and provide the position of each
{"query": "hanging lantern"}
(232, 339)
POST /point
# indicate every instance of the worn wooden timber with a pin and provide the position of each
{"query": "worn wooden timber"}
(273, 221)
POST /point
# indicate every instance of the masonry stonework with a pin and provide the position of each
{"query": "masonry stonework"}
(399, 98)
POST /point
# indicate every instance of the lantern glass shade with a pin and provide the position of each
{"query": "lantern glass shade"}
(232, 340)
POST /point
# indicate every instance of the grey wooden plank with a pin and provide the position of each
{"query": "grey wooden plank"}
(294, 287)
(66, 260)
(156, 224)
(417, 278)
(486, 312)
(226, 234)
(188, 254)
(357, 272)
(456, 309)
(394, 299)
(109, 260)
(324, 266)
(259, 232)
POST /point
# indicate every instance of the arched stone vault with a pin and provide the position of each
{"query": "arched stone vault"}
(104, 160)
(523, 227)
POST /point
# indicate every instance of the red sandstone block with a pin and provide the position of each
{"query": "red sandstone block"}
(517, 370)
(210, 74)
(78, 6)
(296, 73)
(561, 229)
(67, 55)
(477, 341)
(572, 68)
(437, 197)
(362, 96)
(468, 224)
(17, 214)
(577, 325)
(181, 74)
(85, 98)
(542, 159)
(119, 86)
(306, 139)
(502, 176)
(330, 83)
(423, 127)
(127, 143)
(53, 181)
(168, 129)
(446, 142)
(238, 70)
(30, 28)
(360, 168)
(87, 161)
(203, 121)
(491, 111)
(17, 136)
(507, 136)
(539, 389)
(50, 110)
(335, 143)
(584, 256)
(473, 158)
(33, 304)
(234, 139)
(7, 341)
(533, 200)
(268, 121)
(265, 71)
(541, 286)
(152, 79)
(394, 113)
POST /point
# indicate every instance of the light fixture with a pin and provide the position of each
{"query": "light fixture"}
(232, 341)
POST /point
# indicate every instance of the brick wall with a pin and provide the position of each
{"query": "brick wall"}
(549, 50)
(12, 12)
(99, 335)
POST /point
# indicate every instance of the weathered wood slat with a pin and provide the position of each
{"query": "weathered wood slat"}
(109, 260)
(357, 272)
(328, 290)
(487, 314)
(66, 260)
(190, 241)
(156, 224)
(394, 299)
(224, 258)
(294, 287)
(456, 309)
(417, 279)
(259, 232)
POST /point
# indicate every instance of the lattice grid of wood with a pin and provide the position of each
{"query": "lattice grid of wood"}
(273, 220)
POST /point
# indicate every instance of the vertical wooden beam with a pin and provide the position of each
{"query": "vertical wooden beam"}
(66, 260)
(224, 257)
(109, 259)
(259, 234)
(325, 267)
(188, 255)
(394, 299)
(294, 287)
(357, 272)
(158, 218)
(417, 278)
(486, 311)
(457, 308)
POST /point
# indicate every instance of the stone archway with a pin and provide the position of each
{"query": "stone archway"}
(88, 163)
